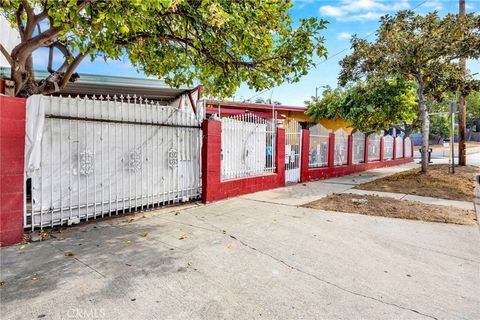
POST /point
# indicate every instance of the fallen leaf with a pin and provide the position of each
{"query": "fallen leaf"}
(60, 238)
(182, 237)
(130, 220)
(2, 283)
(44, 235)
(128, 241)
(22, 247)
(145, 234)
(68, 254)
(35, 278)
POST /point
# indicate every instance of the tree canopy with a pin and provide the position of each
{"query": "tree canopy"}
(221, 43)
(370, 107)
(424, 49)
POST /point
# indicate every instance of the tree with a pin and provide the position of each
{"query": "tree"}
(424, 49)
(368, 106)
(221, 43)
(473, 109)
(267, 101)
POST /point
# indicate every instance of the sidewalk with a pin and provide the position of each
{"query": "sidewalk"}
(299, 194)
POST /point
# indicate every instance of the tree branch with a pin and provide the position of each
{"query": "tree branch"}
(6, 54)
(19, 18)
(30, 27)
(71, 68)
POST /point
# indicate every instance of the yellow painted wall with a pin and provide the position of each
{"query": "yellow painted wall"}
(332, 124)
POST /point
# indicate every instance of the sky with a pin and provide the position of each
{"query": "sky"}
(346, 17)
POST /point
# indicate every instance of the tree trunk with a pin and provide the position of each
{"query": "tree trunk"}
(425, 125)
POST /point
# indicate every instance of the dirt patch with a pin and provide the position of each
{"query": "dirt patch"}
(386, 207)
(437, 182)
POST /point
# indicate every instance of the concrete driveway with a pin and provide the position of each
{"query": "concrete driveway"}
(247, 258)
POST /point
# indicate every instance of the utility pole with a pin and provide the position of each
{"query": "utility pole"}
(316, 91)
(452, 136)
(462, 108)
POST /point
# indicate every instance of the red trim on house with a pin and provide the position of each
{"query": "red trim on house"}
(213, 188)
(234, 112)
(252, 106)
(12, 149)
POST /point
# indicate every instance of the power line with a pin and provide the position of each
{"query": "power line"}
(368, 35)
(337, 53)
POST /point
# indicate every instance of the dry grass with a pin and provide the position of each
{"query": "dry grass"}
(437, 183)
(392, 208)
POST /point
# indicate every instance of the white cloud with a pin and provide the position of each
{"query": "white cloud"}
(344, 36)
(331, 11)
(363, 17)
(358, 10)
(434, 5)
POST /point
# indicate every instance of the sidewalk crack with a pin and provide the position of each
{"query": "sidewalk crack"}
(80, 261)
(313, 275)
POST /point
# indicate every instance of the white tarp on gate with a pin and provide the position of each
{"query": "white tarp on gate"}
(139, 157)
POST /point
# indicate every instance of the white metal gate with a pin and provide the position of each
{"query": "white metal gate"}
(248, 146)
(293, 150)
(105, 156)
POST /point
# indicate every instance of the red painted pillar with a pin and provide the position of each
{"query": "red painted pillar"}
(12, 152)
(381, 148)
(331, 150)
(403, 149)
(394, 148)
(350, 150)
(280, 158)
(411, 148)
(305, 155)
(211, 159)
(365, 150)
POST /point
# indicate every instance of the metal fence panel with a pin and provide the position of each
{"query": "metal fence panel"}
(248, 146)
(318, 148)
(358, 147)
(374, 147)
(398, 147)
(105, 156)
(341, 147)
(388, 147)
(408, 147)
(293, 150)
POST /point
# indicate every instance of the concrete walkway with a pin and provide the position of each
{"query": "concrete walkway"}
(248, 258)
(299, 194)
